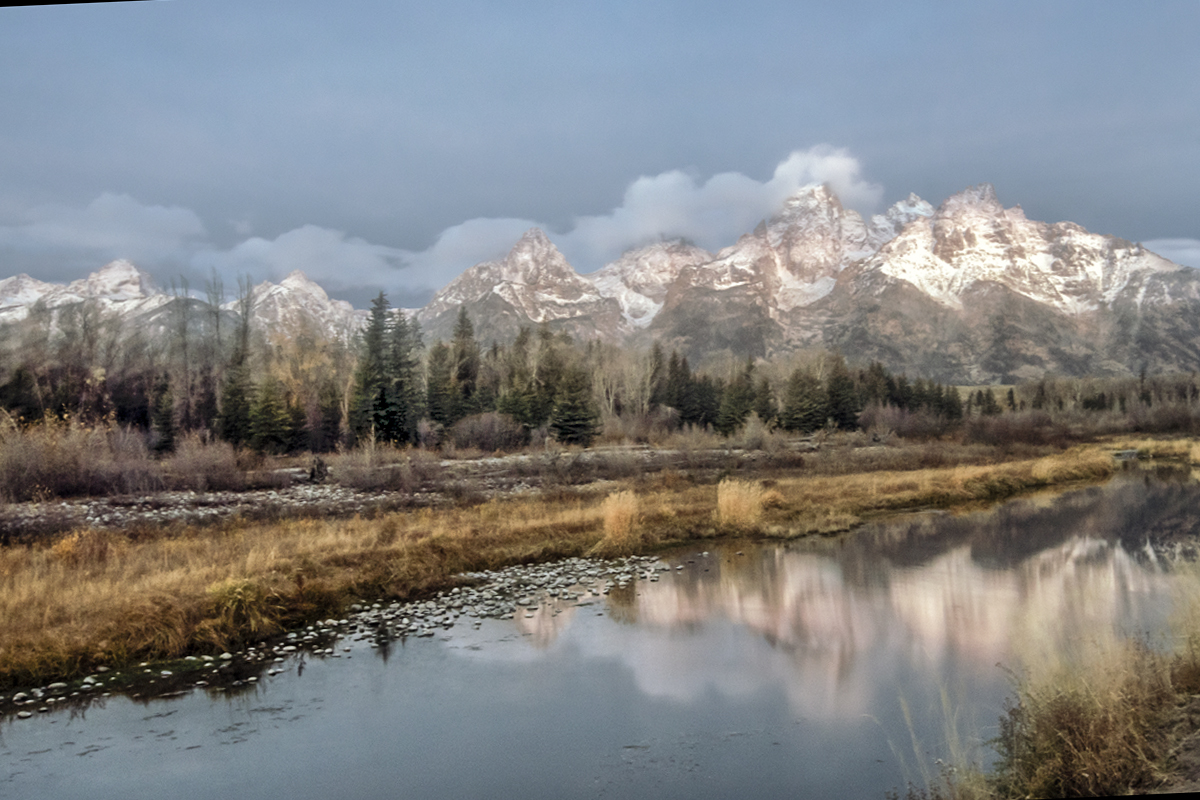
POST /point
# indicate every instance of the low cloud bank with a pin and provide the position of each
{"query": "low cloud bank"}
(673, 204)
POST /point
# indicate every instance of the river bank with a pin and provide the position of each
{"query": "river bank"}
(102, 598)
(536, 546)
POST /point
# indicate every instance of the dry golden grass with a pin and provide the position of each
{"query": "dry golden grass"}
(739, 503)
(621, 535)
(103, 598)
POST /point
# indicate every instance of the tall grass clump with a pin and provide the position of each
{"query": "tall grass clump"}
(63, 458)
(1086, 730)
(739, 503)
(619, 513)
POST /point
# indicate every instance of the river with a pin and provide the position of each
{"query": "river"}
(831, 668)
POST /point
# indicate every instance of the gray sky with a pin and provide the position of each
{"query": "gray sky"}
(392, 145)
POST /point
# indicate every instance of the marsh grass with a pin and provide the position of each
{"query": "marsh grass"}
(739, 503)
(1098, 717)
(622, 535)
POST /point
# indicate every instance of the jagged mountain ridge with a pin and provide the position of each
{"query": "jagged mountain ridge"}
(118, 286)
(970, 292)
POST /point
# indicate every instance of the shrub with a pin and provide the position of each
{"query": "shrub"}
(204, 466)
(1022, 427)
(375, 467)
(490, 432)
(61, 458)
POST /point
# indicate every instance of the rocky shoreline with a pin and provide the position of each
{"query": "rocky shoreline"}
(506, 594)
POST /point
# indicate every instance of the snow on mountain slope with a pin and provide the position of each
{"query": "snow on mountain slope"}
(532, 284)
(640, 278)
(794, 259)
(972, 238)
(295, 302)
(118, 286)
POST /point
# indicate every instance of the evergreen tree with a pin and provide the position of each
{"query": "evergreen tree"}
(405, 395)
(737, 401)
(804, 403)
(658, 377)
(465, 359)
(841, 394)
(988, 405)
(163, 418)
(764, 401)
(440, 384)
(370, 410)
(574, 418)
(270, 423)
(327, 432)
(233, 421)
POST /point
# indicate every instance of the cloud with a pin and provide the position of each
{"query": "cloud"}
(329, 257)
(715, 212)
(111, 226)
(462, 246)
(1185, 252)
(168, 240)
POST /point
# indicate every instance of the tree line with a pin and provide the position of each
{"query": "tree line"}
(196, 368)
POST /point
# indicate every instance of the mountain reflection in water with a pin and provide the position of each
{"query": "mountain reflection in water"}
(1035, 576)
(817, 669)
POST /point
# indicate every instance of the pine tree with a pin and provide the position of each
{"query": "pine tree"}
(988, 405)
(804, 403)
(737, 401)
(440, 384)
(842, 397)
(163, 418)
(369, 410)
(465, 359)
(233, 421)
(574, 419)
(270, 424)
(405, 394)
(764, 402)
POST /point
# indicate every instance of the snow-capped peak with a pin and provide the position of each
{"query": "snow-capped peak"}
(117, 280)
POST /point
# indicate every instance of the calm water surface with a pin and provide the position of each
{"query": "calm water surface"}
(829, 669)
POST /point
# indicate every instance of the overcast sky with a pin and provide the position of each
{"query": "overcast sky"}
(390, 145)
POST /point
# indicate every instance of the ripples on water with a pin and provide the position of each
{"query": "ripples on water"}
(825, 669)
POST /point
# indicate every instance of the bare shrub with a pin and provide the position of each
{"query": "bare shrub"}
(1021, 427)
(204, 466)
(61, 458)
(490, 432)
(640, 428)
(375, 467)
(429, 433)
(615, 464)
(754, 434)
(739, 503)
(879, 421)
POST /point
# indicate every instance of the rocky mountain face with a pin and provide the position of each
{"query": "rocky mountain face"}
(978, 293)
(531, 285)
(970, 292)
(118, 286)
(296, 303)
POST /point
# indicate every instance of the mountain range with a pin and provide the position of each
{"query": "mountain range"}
(968, 292)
